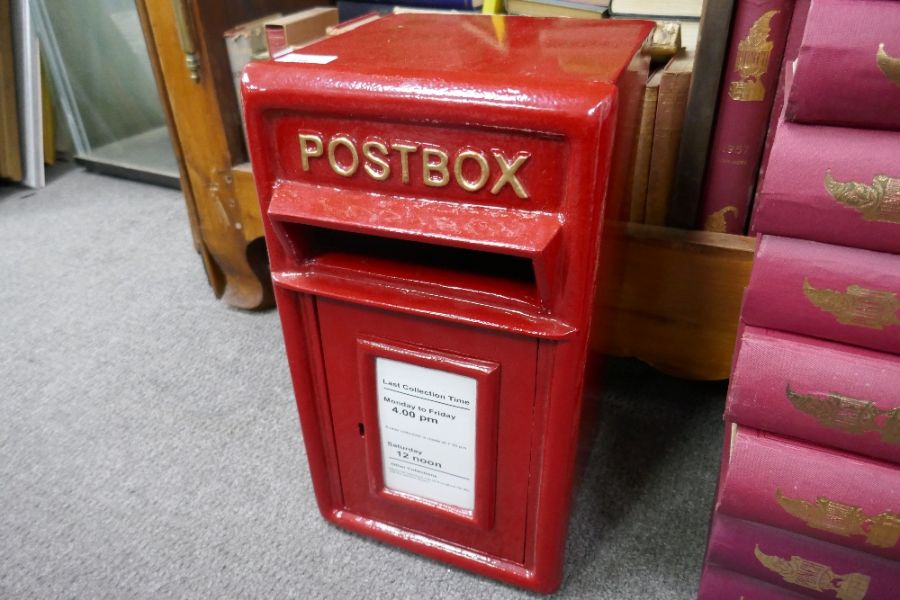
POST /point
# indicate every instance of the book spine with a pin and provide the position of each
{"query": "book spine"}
(822, 392)
(846, 192)
(276, 40)
(712, 45)
(791, 48)
(798, 563)
(754, 61)
(840, 498)
(848, 67)
(642, 154)
(673, 90)
(721, 584)
(831, 292)
(631, 86)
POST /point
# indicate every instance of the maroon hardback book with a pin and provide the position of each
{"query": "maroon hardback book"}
(835, 496)
(791, 47)
(848, 67)
(821, 290)
(759, 32)
(717, 583)
(824, 392)
(832, 184)
(798, 563)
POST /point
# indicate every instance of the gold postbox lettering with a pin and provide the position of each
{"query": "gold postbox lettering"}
(481, 161)
(377, 163)
(384, 167)
(306, 152)
(508, 173)
(404, 150)
(345, 170)
(435, 174)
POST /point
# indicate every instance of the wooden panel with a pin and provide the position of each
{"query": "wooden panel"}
(197, 120)
(10, 158)
(245, 191)
(678, 301)
(213, 274)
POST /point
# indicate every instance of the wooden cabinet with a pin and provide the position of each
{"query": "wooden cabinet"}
(187, 51)
(676, 306)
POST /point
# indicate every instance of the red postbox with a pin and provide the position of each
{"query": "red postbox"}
(433, 190)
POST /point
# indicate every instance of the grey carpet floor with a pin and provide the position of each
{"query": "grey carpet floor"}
(150, 448)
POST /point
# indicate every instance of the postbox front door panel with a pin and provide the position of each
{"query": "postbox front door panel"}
(415, 411)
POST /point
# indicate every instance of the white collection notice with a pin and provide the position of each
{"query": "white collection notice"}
(426, 419)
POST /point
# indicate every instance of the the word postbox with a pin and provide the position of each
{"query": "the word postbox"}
(433, 189)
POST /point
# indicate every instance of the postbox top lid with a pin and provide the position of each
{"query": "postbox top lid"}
(462, 45)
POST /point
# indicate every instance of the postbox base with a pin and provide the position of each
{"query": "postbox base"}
(544, 580)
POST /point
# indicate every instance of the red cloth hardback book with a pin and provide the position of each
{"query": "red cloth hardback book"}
(848, 67)
(717, 583)
(798, 563)
(832, 184)
(823, 392)
(843, 294)
(759, 32)
(834, 496)
(791, 48)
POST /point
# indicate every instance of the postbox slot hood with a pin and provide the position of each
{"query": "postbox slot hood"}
(465, 262)
(504, 230)
(438, 302)
(526, 234)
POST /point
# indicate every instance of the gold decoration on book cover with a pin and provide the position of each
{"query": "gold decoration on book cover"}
(816, 576)
(752, 61)
(877, 202)
(718, 222)
(847, 414)
(889, 65)
(858, 306)
(882, 530)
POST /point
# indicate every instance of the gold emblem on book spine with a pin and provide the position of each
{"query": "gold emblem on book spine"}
(816, 576)
(717, 221)
(889, 65)
(752, 61)
(857, 305)
(877, 202)
(851, 415)
(882, 530)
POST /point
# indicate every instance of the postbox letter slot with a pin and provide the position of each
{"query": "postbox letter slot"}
(412, 263)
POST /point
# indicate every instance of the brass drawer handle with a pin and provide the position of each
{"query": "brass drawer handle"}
(185, 26)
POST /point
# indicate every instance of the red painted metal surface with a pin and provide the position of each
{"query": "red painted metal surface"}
(432, 189)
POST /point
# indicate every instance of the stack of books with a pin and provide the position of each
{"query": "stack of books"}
(808, 503)
(658, 138)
